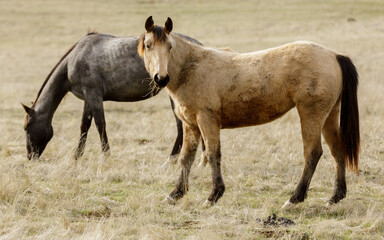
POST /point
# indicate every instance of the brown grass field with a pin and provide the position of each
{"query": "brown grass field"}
(55, 198)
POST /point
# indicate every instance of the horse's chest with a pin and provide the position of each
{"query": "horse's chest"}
(77, 91)
(186, 115)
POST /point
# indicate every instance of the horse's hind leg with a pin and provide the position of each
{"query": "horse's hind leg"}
(98, 114)
(332, 137)
(311, 125)
(94, 99)
(85, 124)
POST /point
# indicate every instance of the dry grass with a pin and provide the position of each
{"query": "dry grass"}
(58, 199)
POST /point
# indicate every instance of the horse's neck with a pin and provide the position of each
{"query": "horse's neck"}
(181, 55)
(52, 93)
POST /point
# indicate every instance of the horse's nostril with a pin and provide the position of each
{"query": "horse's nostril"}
(157, 78)
(161, 82)
(166, 79)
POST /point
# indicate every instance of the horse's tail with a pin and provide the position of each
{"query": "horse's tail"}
(349, 116)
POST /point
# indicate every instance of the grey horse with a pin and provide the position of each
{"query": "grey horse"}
(98, 68)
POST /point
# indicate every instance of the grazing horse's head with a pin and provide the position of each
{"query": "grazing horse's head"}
(38, 132)
(155, 47)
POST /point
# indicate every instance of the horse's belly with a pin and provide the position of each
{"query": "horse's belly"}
(127, 95)
(253, 112)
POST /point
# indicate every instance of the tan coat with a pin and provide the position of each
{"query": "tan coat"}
(215, 89)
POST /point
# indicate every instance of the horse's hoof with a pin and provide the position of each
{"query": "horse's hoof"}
(287, 204)
(107, 154)
(208, 203)
(169, 200)
(329, 204)
(173, 159)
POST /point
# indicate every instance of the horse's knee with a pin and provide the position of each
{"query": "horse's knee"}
(212, 160)
(313, 156)
(183, 159)
(213, 156)
(186, 159)
(316, 153)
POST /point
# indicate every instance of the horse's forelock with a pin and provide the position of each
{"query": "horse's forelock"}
(159, 35)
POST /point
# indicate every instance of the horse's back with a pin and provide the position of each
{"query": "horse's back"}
(302, 69)
(271, 82)
(109, 64)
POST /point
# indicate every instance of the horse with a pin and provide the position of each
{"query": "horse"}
(215, 90)
(99, 67)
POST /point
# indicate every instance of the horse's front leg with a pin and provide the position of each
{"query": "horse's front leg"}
(85, 124)
(179, 142)
(187, 156)
(210, 130)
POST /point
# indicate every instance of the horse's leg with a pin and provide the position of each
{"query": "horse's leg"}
(311, 125)
(179, 139)
(187, 156)
(101, 128)
(331, 135)
(94, 99)
(210, 131)
(85, 124)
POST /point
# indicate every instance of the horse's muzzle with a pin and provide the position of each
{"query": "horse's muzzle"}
(161, 82)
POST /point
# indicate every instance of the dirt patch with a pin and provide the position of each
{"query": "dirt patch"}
(273, 220)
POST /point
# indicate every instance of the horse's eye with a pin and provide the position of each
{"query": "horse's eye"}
(148, 46)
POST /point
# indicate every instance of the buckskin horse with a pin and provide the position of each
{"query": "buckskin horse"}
(215, 89)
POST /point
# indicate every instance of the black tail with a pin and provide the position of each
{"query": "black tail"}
(349, 117)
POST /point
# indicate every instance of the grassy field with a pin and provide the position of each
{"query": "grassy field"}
(56, 198)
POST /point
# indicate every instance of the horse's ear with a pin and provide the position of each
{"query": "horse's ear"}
(26, 109)
(149, 24)
(168, 26)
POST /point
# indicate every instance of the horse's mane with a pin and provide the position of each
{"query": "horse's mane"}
(54, 68)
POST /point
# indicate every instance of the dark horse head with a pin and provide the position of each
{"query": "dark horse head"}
(38, 130)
